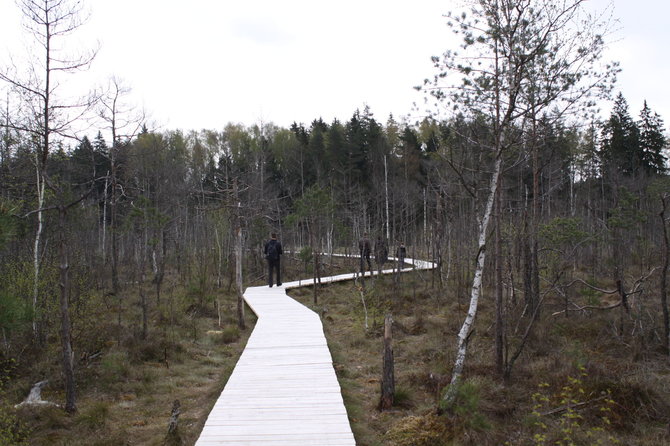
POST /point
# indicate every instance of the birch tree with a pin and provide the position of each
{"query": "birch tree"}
(518, 59)
(124, 122)
(47, 117)
(42, 113)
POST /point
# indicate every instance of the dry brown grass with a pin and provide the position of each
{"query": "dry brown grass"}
(125, 395)
(490, 411)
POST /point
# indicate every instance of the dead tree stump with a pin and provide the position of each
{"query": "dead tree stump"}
(388, 379)
(173, 438)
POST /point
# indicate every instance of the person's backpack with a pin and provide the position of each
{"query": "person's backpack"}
(273, 251)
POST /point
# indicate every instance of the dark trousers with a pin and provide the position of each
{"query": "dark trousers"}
(274, 265)
(365, 257)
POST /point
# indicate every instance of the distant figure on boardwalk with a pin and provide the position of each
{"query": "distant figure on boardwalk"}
(273, 253)
(381, 252)
(400, 254)
(364, 249)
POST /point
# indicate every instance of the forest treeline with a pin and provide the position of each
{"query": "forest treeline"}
(176, 196)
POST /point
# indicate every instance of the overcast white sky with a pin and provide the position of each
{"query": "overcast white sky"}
(202, 63)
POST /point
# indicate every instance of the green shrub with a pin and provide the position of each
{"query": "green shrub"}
(12, 430)
(15, 311)
(402, 398)
(466, 407)
(230, 334)
(557, 417)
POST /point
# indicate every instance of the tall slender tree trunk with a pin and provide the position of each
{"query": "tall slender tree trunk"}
(219, 258)
(66, 332)
(41, 166)
(386, 189)
(103, 244)
(388, 377)
(664, 275)
(238, 277)
(144, 305)
(534, 264)
(116, 289)
(36, 252)
(315, 257)
(238, 260)
(500, 327)
(475, 292)
(535, 270)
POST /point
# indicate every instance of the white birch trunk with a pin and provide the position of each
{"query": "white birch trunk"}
(219, 263)
(386, 186)
(466, 329)
(238, 277)
(104, 224)
(448, 254)
(238, 260)
(219, 267)
(425, 220)
(36, 246)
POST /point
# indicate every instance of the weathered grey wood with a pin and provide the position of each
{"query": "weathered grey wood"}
(283, 390)
(388, 379)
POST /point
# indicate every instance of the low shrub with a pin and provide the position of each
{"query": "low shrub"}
(426, 430)
(95, 416)
(465, 407)
(115, 365)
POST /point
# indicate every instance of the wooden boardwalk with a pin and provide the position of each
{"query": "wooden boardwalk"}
(283, 390)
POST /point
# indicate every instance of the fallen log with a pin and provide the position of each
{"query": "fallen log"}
(34, 398)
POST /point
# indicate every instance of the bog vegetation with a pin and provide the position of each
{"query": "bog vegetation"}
(123, 254)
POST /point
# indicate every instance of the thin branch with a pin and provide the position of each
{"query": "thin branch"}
(572, 406)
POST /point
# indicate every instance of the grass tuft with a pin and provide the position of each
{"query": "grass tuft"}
(423, 430)
(94, 417)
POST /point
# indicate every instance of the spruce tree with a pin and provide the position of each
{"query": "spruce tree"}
(620, 147)
(652, 141)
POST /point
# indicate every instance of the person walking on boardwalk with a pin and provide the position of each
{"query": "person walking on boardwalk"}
(400, 254)
(364, 249)
(273, 253)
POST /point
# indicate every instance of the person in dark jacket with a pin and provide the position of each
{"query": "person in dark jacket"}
(364, 249)
(400, 254)
(273, 252)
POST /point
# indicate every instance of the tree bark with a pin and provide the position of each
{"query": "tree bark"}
(36, 250)
(140, 287)
(388, 379)
(500, 327)
(173, 437)
(475, 292)
(66, 335)
(664, 274)
(534, 264)
(238, 262)
(315, 258)
(116, 289)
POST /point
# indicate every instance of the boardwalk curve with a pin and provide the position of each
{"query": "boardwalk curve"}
(283, 390)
